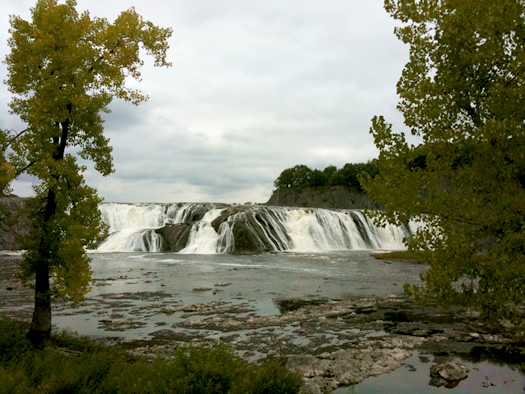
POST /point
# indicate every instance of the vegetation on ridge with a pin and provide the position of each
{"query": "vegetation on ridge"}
(301, 176)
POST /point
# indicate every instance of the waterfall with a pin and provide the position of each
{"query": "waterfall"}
(214, 228)
(203, 237)
(131, 226)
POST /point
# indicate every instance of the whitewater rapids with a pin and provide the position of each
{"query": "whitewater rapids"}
(134, 228)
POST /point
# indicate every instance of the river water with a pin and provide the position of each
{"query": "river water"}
(143, 296)
(261, 281)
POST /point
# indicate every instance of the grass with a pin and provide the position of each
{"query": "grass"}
(416, 257)
(71, 364)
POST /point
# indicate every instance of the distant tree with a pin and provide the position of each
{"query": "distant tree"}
(348, 176)
(463, 93)
(64, 69)
(329, 172)
(318, 179)
(322, 178)
(297, 176)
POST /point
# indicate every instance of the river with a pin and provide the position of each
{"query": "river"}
(320, 261)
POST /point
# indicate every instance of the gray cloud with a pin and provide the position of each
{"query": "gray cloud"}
(255, 87)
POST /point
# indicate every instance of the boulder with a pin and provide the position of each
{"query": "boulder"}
(448, 374)
(245, 239)
(196, 213)
(175, 235)
(224, 217)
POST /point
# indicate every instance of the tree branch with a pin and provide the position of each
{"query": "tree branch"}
(20, 172)
(10, 141)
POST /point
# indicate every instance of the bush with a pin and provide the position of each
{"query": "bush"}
(70, 364)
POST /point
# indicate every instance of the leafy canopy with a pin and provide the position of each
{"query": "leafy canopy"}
(302, 176)
(462, 93)
(64, 69)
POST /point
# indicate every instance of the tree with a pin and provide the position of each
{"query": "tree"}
(64, 69)
(462, 93)
(297, 176)
(6, 169)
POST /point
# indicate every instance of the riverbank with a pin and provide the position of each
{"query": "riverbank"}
(331, 340)
(72, 364)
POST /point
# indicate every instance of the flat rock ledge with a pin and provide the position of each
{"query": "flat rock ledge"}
(333, 343)
(345, 367)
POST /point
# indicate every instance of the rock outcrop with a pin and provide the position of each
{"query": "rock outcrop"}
(448, 374)
(175, 236)
(12, 223)
(335, 197)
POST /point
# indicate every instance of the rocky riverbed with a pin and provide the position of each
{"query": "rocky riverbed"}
(332, 342)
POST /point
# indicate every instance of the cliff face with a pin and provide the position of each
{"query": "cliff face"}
(335, 197)
(12, 224)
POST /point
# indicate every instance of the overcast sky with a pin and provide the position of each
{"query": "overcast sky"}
(257, 86)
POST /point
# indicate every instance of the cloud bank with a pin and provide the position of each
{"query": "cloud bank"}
(256, 87)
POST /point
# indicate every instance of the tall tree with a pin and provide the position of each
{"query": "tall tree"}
(462, 94)
(64, 69)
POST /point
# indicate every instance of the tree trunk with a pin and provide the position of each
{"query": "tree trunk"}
(40, 329)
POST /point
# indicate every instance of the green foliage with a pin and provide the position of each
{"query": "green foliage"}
(404, 255)
(64, 69)
(73, 364)
(6, 169)
(297, 176)
(462, 93)
(302, 176)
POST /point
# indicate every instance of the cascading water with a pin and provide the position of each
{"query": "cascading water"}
(226, 229)
(203, 237)
(132, 226)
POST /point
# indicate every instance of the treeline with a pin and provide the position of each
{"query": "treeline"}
(303, 176)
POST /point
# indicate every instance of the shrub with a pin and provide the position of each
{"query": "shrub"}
(71, 364)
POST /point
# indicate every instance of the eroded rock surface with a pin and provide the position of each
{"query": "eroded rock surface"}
(330, 342)
(448, 374)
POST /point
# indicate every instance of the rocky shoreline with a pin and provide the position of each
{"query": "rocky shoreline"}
(332, 343)
(342, 342)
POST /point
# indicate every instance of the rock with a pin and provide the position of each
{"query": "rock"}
(245, 239)
(168, 309)
(175, 235)
(197, 212)
(12, 223)
(339, 197)
(223, 217)
(448, 374)
(345, 367)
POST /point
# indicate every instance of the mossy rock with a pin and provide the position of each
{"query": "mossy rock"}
(245, 240)
(176, 236)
